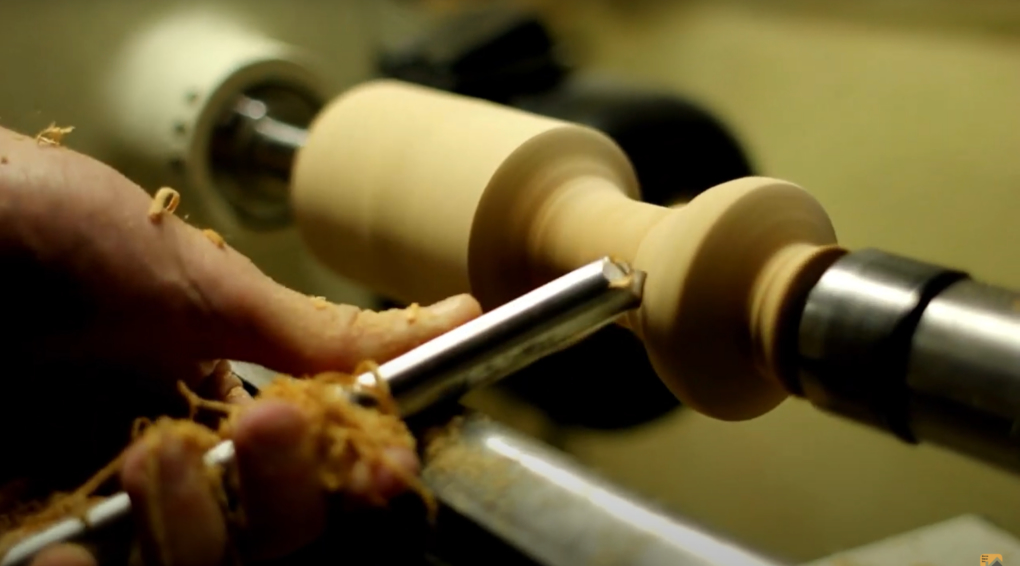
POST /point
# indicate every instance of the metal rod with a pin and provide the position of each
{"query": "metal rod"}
(964, 373)
(512, 336)
(252, 150)
(260, 142)
(477, 353)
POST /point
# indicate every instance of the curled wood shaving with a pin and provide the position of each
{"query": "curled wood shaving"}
(345, 438)
(412, 313)
(343, 433)
(214, 237)
(53, 135)
(383, 386)
(164, 201)
(380, 389)
(139, 426)
(196, 403)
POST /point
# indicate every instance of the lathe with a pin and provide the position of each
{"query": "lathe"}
(749, 299)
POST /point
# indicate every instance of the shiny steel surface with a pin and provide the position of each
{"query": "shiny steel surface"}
(511, 336)
(855, 335)
(552, 510)
(918, 350)
(967, 349)
(964, 372)
(474, 354)
(272, 144)
(252, 151)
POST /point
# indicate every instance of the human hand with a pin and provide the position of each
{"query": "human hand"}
(110, 310)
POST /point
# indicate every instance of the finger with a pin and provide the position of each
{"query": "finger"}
(284, 505)
(194, 297)
(64, 555)
(268, 324)
(355, 335)
(173, 502)
(222, 384)
(386, 479)
(250, 317)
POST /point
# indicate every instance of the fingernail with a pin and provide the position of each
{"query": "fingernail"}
(238, 396)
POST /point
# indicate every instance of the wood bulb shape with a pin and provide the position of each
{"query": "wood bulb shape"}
(421, 194)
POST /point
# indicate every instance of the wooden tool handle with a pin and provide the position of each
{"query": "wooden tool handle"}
(421, 194)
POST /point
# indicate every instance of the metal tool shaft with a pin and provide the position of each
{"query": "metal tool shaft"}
(512, 336)
(477, 353)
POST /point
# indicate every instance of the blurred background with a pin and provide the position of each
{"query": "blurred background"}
(901, 116)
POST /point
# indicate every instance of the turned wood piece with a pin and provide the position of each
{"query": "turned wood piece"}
(421, 194)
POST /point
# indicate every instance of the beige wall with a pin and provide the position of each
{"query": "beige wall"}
(904, 119)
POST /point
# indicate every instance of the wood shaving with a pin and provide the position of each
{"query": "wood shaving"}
(37, 516)
(214, 237)
(165, 201)
(623, 282)
(320, 303)
(53, 135)
(412, 313)
(380, 389)
(380, 383)
(344, 433)
(344, 438)
(447, 455)
(443, 438)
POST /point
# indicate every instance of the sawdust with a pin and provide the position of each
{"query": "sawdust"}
(165, 201)
(447, 455)
(442, 439)
(34, 516)
(214, 237)
(343, 434)
(53, 135)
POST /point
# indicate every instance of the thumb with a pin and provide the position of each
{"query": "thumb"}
(260, 321)
(296, 333)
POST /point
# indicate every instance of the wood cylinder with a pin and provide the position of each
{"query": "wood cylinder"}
(421, 194)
